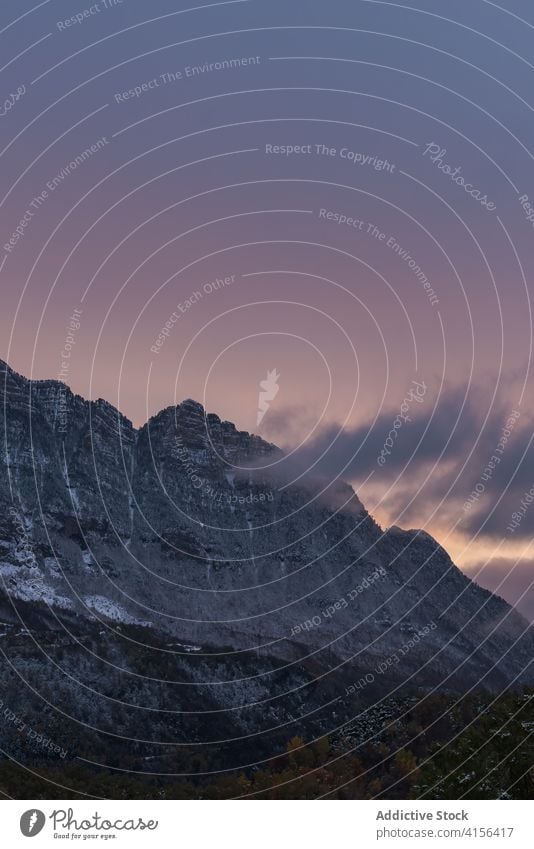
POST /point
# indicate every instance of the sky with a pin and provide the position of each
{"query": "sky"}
(196, 194)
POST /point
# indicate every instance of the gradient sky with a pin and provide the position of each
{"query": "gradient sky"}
(183, 193)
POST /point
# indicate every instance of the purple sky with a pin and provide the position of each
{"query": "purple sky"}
(340, 191)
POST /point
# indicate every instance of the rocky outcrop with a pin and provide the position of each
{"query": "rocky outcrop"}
(193, 529)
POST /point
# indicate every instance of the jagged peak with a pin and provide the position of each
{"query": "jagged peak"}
(190, 403)
(106, 407)
(187, 407)
(6, 368)
(415, 534)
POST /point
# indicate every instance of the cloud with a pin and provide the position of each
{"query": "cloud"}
(436, 460)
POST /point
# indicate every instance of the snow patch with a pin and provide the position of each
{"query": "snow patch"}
(28, 584)
(185, 647)
(111, 610)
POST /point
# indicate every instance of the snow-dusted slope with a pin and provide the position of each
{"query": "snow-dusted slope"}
(159, 526)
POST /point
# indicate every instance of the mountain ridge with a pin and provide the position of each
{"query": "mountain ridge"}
(170, 527)
(6, 370)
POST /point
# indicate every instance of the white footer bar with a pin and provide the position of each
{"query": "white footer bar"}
(269, 824)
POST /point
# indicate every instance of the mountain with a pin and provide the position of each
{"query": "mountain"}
(187, 528)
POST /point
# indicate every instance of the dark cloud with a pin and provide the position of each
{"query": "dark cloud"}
(439, 463)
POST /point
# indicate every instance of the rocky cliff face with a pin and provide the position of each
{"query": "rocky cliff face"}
(189, 529)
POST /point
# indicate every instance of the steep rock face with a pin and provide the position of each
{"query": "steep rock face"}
(188, 527)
